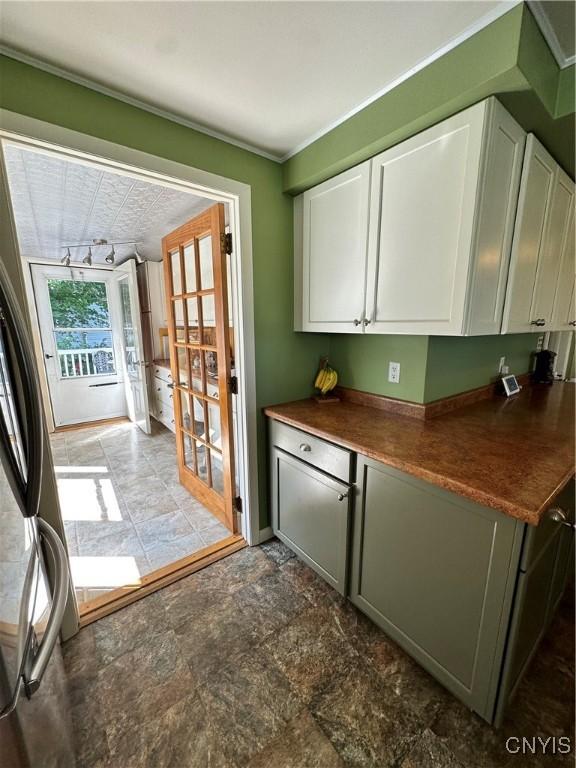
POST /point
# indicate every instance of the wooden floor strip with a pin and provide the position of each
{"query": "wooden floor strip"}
(123, 596)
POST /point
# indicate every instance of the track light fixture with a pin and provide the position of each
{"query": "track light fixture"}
(97, 243)
(110, 258)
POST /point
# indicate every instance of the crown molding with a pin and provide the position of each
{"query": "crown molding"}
(51, 69)
(563, 61)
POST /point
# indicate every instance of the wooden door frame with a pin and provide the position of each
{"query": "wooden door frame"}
(78, 147)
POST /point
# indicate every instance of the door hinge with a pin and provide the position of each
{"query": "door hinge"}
(238, 504)
(226, 242)
(233, 385)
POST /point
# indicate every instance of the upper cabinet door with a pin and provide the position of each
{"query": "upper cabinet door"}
(541, 226)
(331, 233)
(422, 215)
(563, 315)
(442, 214)
(551, 252)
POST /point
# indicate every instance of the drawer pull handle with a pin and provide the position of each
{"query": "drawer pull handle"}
(305, 448)
(170, 386)
(539, 322)
(342, 496)
(557, 515)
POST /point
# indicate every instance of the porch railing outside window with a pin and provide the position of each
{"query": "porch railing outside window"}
(86, 362)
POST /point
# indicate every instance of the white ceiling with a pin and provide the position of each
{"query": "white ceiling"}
(272, 75)
(57, 202)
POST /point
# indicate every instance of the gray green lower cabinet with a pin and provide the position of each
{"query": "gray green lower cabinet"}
(437, 573)
(464, 589)
(311, 513)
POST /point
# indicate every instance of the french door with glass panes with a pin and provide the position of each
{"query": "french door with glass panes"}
(201, 356)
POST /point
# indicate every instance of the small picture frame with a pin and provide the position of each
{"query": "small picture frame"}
(511, 386)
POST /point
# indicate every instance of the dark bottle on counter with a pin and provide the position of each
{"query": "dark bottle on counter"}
(543, 372)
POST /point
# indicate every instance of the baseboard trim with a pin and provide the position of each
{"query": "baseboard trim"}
(265, 534)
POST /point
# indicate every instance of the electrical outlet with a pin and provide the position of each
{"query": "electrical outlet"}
(501, 364)
(394, 373)
(539, 343)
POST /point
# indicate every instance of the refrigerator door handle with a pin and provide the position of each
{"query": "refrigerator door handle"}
(60, 596)
(14, 321)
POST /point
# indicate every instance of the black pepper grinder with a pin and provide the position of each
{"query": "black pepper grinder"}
(543, 372)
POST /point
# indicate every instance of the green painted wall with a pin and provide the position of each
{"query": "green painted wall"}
(285, 361)
(362, 363)
(458, 364)
(565, 103)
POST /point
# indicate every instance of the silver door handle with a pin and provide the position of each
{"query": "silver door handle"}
(539, 322)
(342, 496)
(59, 600)
(15, 323)
(557, 515)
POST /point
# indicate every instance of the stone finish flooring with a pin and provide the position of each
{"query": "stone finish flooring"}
(124, 510)
(255, 661)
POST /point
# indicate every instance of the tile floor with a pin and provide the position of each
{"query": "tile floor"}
(255, 662)
(124, 510)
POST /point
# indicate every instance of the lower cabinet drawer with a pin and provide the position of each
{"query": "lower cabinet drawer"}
(330, 458)
(311, 515)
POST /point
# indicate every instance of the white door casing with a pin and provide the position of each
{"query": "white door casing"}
(80, 147)
(132, 344)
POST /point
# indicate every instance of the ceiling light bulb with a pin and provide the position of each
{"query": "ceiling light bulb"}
(88, 258)
(110, 258)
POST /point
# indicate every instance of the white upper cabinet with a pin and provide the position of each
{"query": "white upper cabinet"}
(564, 314)
(541, 273)
(331, 234)
(437, 219)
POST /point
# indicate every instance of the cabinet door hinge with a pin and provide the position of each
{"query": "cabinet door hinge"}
(233, 385)
(226, 242)
(238, 504)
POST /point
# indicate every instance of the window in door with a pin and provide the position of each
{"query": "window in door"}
(82, 328)
(128, 329)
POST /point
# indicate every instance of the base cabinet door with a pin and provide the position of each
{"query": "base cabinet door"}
(310, 514)
(436, 572)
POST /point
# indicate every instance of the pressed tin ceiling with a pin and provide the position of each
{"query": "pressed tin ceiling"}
(271, 75)
(57, 202)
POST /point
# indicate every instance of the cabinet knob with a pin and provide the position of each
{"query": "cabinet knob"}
(572, 322)
(557, 515)
(366, 322)
(357, 322)
(539, 322)
(305, 448)
(342, 496)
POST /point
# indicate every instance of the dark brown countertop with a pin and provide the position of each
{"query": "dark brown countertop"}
(513, 455)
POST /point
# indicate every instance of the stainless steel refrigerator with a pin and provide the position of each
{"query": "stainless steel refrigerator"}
(35, 722)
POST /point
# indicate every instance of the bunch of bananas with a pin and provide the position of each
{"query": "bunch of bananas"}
(326, 379)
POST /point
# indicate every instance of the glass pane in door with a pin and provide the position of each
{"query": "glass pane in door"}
(81, 327)
(128, 329)
(190, 268)
(176, 273)
(206, 271)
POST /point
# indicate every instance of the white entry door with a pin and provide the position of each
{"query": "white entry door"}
(132, 346)
(79, 319)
